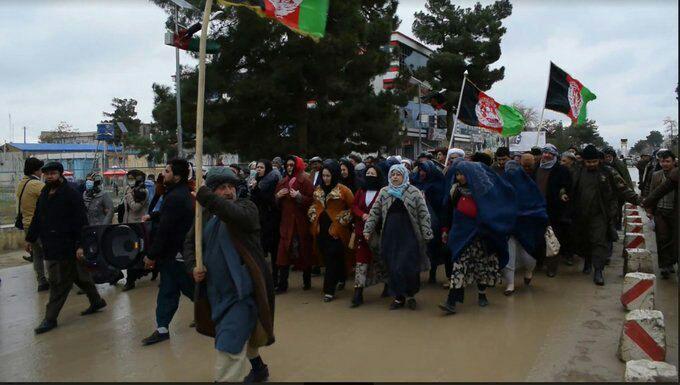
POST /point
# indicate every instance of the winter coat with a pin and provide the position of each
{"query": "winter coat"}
(29, 198)
(559, 182)
(417, 211)
(337, 205)
(263, 197)
(671, 184)
(135, 203)
(359, 208)
(240, 220)
(58, 222)
(174, 221)
(99, 208)
(294, 220)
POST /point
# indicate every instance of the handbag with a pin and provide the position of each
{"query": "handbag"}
(552, 245)
(19, 220)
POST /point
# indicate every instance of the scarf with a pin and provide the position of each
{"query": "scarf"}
(397, 191)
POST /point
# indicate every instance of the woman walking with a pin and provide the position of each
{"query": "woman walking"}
(480, 212)
(330, 216)
(402, 213)
(367, 265)
(262, 194)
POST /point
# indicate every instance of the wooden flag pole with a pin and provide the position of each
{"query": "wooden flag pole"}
(455, 120)
(198, 218)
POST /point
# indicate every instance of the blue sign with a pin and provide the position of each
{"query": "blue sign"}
(105, 131)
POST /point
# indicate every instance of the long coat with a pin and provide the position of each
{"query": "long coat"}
(417, 212)
(294, 220)
(241, 219)
(359, 208)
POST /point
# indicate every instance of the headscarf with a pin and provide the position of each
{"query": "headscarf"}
(550, 149)
(397, 191)
(379, 180)
(349, 181)
(334, 168)
(432, 185)
(456, 151)
(267, 168)
(496, 211)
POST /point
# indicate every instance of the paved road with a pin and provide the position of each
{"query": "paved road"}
(561, 329)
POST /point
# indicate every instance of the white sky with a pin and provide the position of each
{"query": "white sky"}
(66, 59)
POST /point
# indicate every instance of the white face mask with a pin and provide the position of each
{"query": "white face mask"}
(131, 183)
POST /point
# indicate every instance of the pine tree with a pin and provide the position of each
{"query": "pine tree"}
(468, 39)
(259, 85)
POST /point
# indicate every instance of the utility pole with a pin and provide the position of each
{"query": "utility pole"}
(24, 134)
(178, 97)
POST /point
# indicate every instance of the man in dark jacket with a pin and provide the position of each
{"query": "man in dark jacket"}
(502, 156)
(174, 221)
(238, 283)
(58, 220)
(665, 214)
(554, 181)
(596, 191)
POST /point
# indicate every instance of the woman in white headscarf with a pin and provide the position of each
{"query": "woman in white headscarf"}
(401, 212)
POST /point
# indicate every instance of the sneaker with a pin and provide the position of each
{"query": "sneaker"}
(155, 337)
(396, 304)
(94, 307)
(327, 298)
(448, 308)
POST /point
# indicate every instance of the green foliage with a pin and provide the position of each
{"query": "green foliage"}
(468, 39)
(258, 86)
(573, 135)
(655, 139)
(124, 111)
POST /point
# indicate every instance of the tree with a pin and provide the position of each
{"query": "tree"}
(63, 130)
(530, 116)
(469, 39)
(641, 147)
(574, 135)
(655, 139)
(259, 85)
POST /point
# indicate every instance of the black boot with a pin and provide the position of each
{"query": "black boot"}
(598, 277)
(433, 276)
(282, 286)
(45, 326)
(154, 274)
(307, 279)
(449, 307)
(587, 265)
(95, 307)
(358, 297)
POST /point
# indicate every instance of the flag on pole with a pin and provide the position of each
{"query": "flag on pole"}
(567, 95)
(480, 110)
(306, 17)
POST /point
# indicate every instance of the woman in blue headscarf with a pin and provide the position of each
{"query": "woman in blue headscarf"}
(401, 212)
(480, 210)
(532, 219)
(430, 180)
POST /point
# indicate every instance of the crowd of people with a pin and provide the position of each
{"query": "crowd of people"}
(373, 220)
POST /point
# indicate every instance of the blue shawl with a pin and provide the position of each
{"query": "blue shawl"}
(433, 185)
(397, 191)
(496, 212)
(532, 217)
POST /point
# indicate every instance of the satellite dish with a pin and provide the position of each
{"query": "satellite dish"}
(184, 4)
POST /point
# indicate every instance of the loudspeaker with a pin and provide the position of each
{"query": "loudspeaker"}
(118, 246)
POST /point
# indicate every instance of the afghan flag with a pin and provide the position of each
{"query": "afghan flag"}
(480, 110)
(567, 95)
(306, 17)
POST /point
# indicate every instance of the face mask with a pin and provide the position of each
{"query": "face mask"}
(131, 183)
(372, 183)
(89, 184)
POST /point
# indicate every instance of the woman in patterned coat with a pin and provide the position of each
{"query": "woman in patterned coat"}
(401, 211)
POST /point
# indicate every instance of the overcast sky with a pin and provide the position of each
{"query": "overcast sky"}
(66, 60)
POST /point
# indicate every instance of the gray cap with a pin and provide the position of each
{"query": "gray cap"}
(219, 175)
(316, 159)
(569, 154)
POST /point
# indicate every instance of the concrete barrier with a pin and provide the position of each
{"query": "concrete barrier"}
(650, 371)
(633, 212)
(643, 336)
(634, 228)
(630, 206)
(634, 241)
(638, 260)
(633, 219)
(638, 291)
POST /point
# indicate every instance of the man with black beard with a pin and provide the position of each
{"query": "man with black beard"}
(58, 220)
(596, 191)
(174, 221)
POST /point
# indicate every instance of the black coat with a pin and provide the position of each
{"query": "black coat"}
(174, 221)
(58, 222)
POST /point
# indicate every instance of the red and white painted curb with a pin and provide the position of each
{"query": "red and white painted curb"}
(634, 241)
(638, 291)
(638, 260)
(643, 336)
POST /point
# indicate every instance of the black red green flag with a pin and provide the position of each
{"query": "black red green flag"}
(480, 110)
(567, 95)
(306, 17)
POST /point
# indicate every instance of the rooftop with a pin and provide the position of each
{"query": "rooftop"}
(62, 147)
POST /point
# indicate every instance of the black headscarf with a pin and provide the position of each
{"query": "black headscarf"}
(349, 181)
(374, 183)
(334, 168)
(267, 168)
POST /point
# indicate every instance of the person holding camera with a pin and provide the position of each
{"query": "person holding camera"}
(134, 206)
